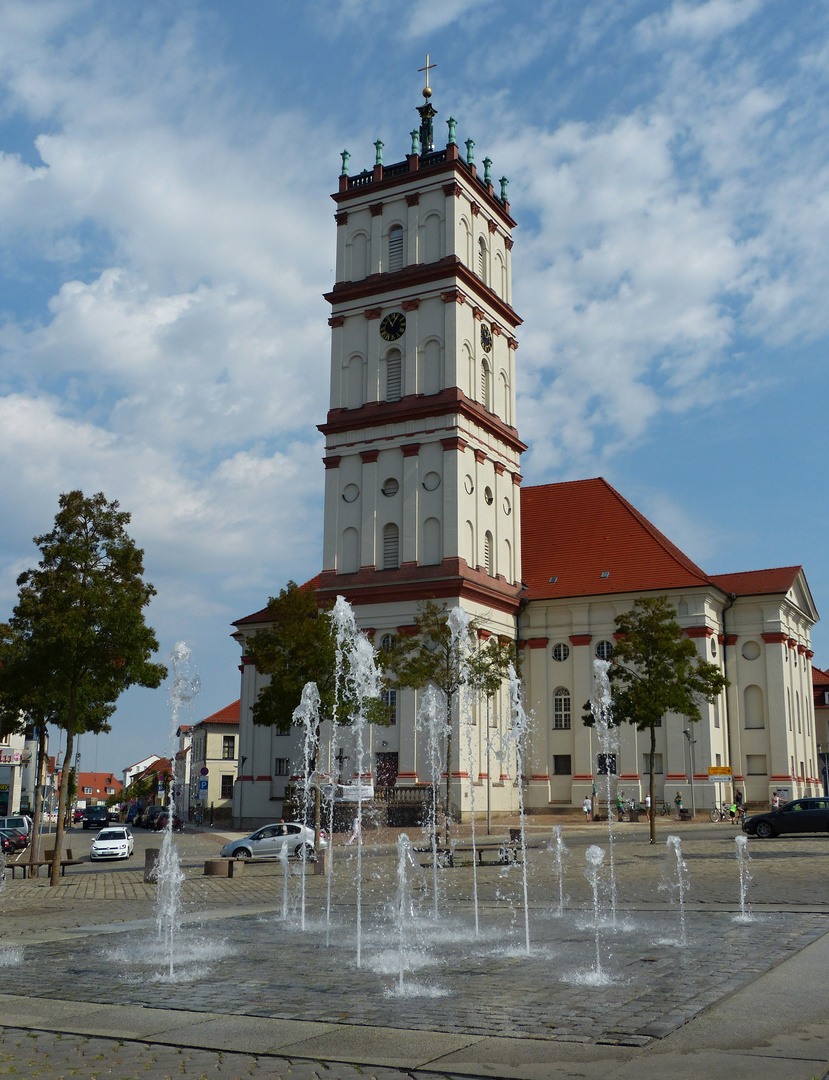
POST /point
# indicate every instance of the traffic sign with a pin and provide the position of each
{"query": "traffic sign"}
(204, 770)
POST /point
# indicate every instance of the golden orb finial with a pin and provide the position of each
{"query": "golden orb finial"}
(427, 92)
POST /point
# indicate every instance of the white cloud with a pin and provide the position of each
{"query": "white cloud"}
(698, 22)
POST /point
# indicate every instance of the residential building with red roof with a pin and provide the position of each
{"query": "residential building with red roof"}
(424, 500)
(214, 743)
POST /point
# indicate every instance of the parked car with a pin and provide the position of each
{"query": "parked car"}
(798, 816)
(77, 815)
(268, 841)
(19, 822)
(112, 843)
(132, 813)
(7, 846)
(18, 841)
(95, 817)
(160, 822)
(147, 816)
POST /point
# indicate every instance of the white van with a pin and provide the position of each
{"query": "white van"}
(19, 822)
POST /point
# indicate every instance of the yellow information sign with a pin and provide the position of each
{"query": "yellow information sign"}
(719, 774)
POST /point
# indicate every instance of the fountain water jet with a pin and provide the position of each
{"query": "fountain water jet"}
(307, 715)
(560, 853)
(743, 862)
(601, 705)
(168, 873)
(675, 881)
(431, 720)
(513, 743)
(594, 858)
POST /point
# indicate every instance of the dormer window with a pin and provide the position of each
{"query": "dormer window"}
(605, 574)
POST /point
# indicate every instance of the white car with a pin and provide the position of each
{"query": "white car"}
(267, 842)
(112, 844)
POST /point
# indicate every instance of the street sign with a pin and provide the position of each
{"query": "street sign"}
(203, 785)
(719, 774)
(204, 770)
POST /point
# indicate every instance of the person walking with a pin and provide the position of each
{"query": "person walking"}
(678, 804)
(587, 807)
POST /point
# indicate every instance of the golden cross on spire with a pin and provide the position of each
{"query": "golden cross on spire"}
(427, 90)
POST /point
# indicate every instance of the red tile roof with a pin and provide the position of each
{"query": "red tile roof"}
(820, 678)
(758, 582)
(228, 715)
(577, 531)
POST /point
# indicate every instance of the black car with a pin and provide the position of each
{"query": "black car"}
(17, 840)
(798, 816)
(95, 817)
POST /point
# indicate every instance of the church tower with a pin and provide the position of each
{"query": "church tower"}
(422, 454)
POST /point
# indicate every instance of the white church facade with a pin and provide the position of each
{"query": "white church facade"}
(424, 500)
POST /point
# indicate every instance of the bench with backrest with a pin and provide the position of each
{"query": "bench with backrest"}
(24, 866)
(506, 853)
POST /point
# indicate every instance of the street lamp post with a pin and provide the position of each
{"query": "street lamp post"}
(691, 744)
(242, 760)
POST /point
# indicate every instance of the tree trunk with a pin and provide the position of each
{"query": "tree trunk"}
(64, 787)
(34, 846)
(652, 788)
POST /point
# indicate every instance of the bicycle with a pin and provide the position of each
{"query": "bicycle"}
(723, 813)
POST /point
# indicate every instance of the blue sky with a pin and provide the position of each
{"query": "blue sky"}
(166, 234)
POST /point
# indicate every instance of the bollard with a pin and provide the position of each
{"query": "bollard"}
(223, 868)
(321, 866)
(151, 864)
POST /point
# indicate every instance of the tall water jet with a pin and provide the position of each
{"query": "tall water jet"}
(513, 747)
(675, 881)
(594, 859)
(408, 869)
(431, 721)
(169, 875)
(601, 704)
(306, 716)
(362, 680)
(560, 854)
(458, 622)
(743, 862)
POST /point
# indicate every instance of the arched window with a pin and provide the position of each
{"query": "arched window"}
(432, 554)
(604, 650)
(351, 552)
(394, 376)
(482, 253)
(753, 705)
(486, 386)
(561, 709)
(488, 553)
(359, 257)
(391, 547)
(395, 248)
(387, 642)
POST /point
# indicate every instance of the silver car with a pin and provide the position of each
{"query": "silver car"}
(268, 842)
(112, 844)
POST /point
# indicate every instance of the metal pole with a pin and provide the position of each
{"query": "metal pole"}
(488, 777)
(691, 742)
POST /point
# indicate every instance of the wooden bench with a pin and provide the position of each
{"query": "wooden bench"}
(505, 853)
(24, 866)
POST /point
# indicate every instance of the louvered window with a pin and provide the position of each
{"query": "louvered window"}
(488, 553)
(394, 376)
(391, 547)
(482, 259)
(485, 385)
(396, 248)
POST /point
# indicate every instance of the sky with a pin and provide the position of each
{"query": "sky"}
(166, 234)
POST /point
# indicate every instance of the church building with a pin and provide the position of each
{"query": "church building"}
(424, 500)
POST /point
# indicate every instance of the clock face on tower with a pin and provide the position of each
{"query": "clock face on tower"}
(393, 326)
(486, 338)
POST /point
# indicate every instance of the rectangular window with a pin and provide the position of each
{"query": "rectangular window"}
(389, 699)
(561, 710)
(716, 714)
(756, 764)
(657, 764)
(87, 791)
(606, 764)
(562, 765)
(282, 766)
(227, 786)
(228, 747)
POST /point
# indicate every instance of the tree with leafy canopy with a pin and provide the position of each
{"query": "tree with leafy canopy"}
(434, 655)
(654, 671)
(299, 646)
(77, 638)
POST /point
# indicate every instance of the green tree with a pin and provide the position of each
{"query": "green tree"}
(297, 647)
(654, 671)
(438, 657)
(77, 638)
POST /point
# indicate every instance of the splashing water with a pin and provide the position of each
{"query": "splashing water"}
(431, 719)
(407, 869)
(362, 677)
(744, 864)
(513, 744)
(675, 881)
(307, 716)
(560, 854)
(169, 875)
(601, 704)
(594, 858)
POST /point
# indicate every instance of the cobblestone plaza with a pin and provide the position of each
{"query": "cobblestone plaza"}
(242, 969)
